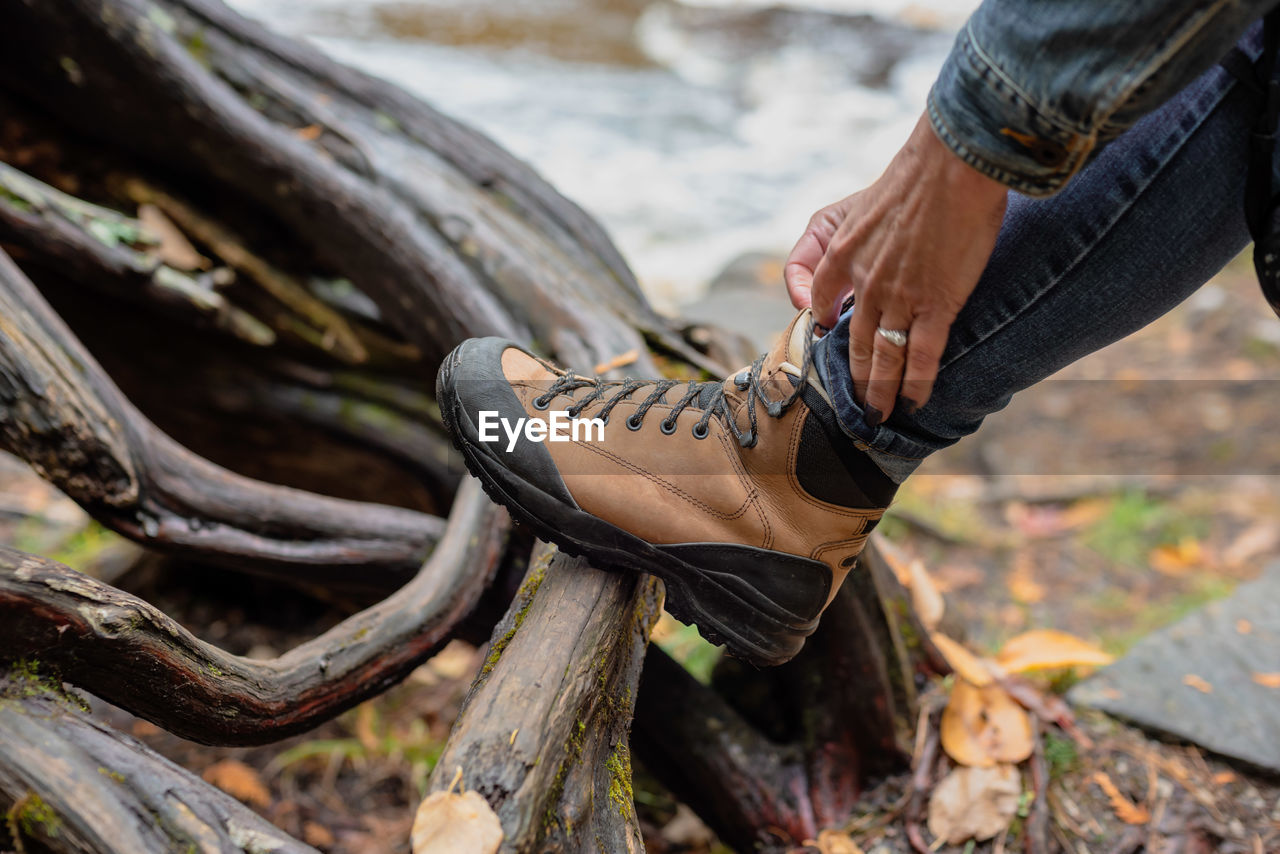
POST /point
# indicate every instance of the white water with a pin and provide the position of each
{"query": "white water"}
(722, 145)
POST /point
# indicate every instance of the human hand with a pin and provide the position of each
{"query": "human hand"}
(910, 248)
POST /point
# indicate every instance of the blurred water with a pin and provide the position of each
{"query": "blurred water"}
(694, 131)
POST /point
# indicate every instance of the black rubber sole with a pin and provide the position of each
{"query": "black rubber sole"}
(725, 609)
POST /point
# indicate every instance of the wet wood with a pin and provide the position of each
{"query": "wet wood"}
(64, 416)
(769, 758)
(543, 732)
(82, 629)
(71, 784)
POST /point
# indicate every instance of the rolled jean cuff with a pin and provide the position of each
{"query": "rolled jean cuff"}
(989, 123)
(894, 454)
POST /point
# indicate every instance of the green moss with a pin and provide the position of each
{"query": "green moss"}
(13, 200)
(26, 677)
(537, 573)
(618, 764)
(32, 817)
(114, 775)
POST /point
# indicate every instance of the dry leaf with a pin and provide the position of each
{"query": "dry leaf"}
(1177, 560)
(834, 842)
(364, 729)
(452, 823)
(172, 247)
(925, 598)
(239, 781)
(310, 133)
(896, 558)
(1222, 778)
(1244, 627)
(1193, 681)
(966, 665)
(985, 726)
(621, 361)
(1125, 809)
(317, 835)
(1267, 680)
(974, 803)
(1045, 648)
(1257, 540)
(951, 577)
(1022, 584)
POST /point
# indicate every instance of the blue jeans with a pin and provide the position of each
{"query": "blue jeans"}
(1138, 230)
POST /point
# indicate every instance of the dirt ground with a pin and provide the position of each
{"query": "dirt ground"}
(1108, 502)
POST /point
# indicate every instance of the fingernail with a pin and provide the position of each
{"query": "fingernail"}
(872, 416)
(908, 405)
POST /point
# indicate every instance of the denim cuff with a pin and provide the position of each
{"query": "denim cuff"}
(894, 454)
(989, 122)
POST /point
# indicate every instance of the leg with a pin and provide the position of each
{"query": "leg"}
(1138, 231)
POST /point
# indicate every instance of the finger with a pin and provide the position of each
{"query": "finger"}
(798, 272)
(862, 331)
(925, 346)
(832, 282)
(887, 363)
(807, 254)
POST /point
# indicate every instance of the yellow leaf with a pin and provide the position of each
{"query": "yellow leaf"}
(1267, 680)
(452, 823)
(239, 781)
(925, 598)
(1125, 809)
(834, 842)
(620, 361)
(1193, 681)
(173, 248)
(1023, 586)
(966, 665)
(1045, 648)
(1177, 560)
(366, 715)
(974, 803)
(982, 727)
(896, 558)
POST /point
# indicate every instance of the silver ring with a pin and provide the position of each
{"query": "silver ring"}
(893, 336)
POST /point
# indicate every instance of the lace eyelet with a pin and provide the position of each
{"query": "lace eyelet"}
(634, 423)
(742, 380)
(541, 402)
(701, 431)
(667, 427)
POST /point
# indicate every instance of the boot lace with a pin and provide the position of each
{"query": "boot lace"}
(707, 395)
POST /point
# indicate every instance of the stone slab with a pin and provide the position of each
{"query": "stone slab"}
(1238, 717)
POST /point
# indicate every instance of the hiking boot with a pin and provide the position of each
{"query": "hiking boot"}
(743, 496)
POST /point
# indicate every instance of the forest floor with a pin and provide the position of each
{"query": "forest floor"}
(1108, 502)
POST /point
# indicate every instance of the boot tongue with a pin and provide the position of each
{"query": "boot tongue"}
(789, 350)
(786, 357)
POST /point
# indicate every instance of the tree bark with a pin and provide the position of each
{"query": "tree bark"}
(543, 732)
(64, 416)
(769, 758)
(450, 237)
(81, 629)
(79, 787)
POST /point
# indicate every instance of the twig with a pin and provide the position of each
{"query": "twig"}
(1037, 827)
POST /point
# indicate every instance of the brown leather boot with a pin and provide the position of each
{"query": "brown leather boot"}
(744, 496)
